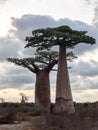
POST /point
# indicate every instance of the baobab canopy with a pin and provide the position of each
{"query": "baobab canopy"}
(48, 37)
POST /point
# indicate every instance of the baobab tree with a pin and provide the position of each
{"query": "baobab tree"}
(64, 37)
(41, 65)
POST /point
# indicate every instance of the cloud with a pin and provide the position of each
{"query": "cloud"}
(85, 68)
(94, 5)
(16, 80)
(95, 20)
(27, 23)
(14, 76)
(2, 1)
(9, 48)
(24, 26)
(84, 83)
(83, 75)
(88, 1)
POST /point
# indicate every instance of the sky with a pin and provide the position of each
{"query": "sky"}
(17, 20)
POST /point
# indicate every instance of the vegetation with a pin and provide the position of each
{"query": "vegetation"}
(85, 117)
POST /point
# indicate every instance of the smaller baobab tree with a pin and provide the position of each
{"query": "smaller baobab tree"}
(40, 64)
(23, 98)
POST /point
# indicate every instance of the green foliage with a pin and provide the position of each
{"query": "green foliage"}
(7, 104)
(44, 39)
(41, 59)
(71, 56)
(48, 37)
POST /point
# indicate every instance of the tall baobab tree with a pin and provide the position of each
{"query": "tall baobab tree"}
(64, 37)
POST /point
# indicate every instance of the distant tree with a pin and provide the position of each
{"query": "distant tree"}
(2, 100)
(23, 98)
(64, 37)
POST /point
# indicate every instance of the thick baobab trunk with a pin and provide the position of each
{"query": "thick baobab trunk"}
(64, 102)
(42, 91)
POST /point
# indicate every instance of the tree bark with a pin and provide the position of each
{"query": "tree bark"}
(42, 90)
(64, 100)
